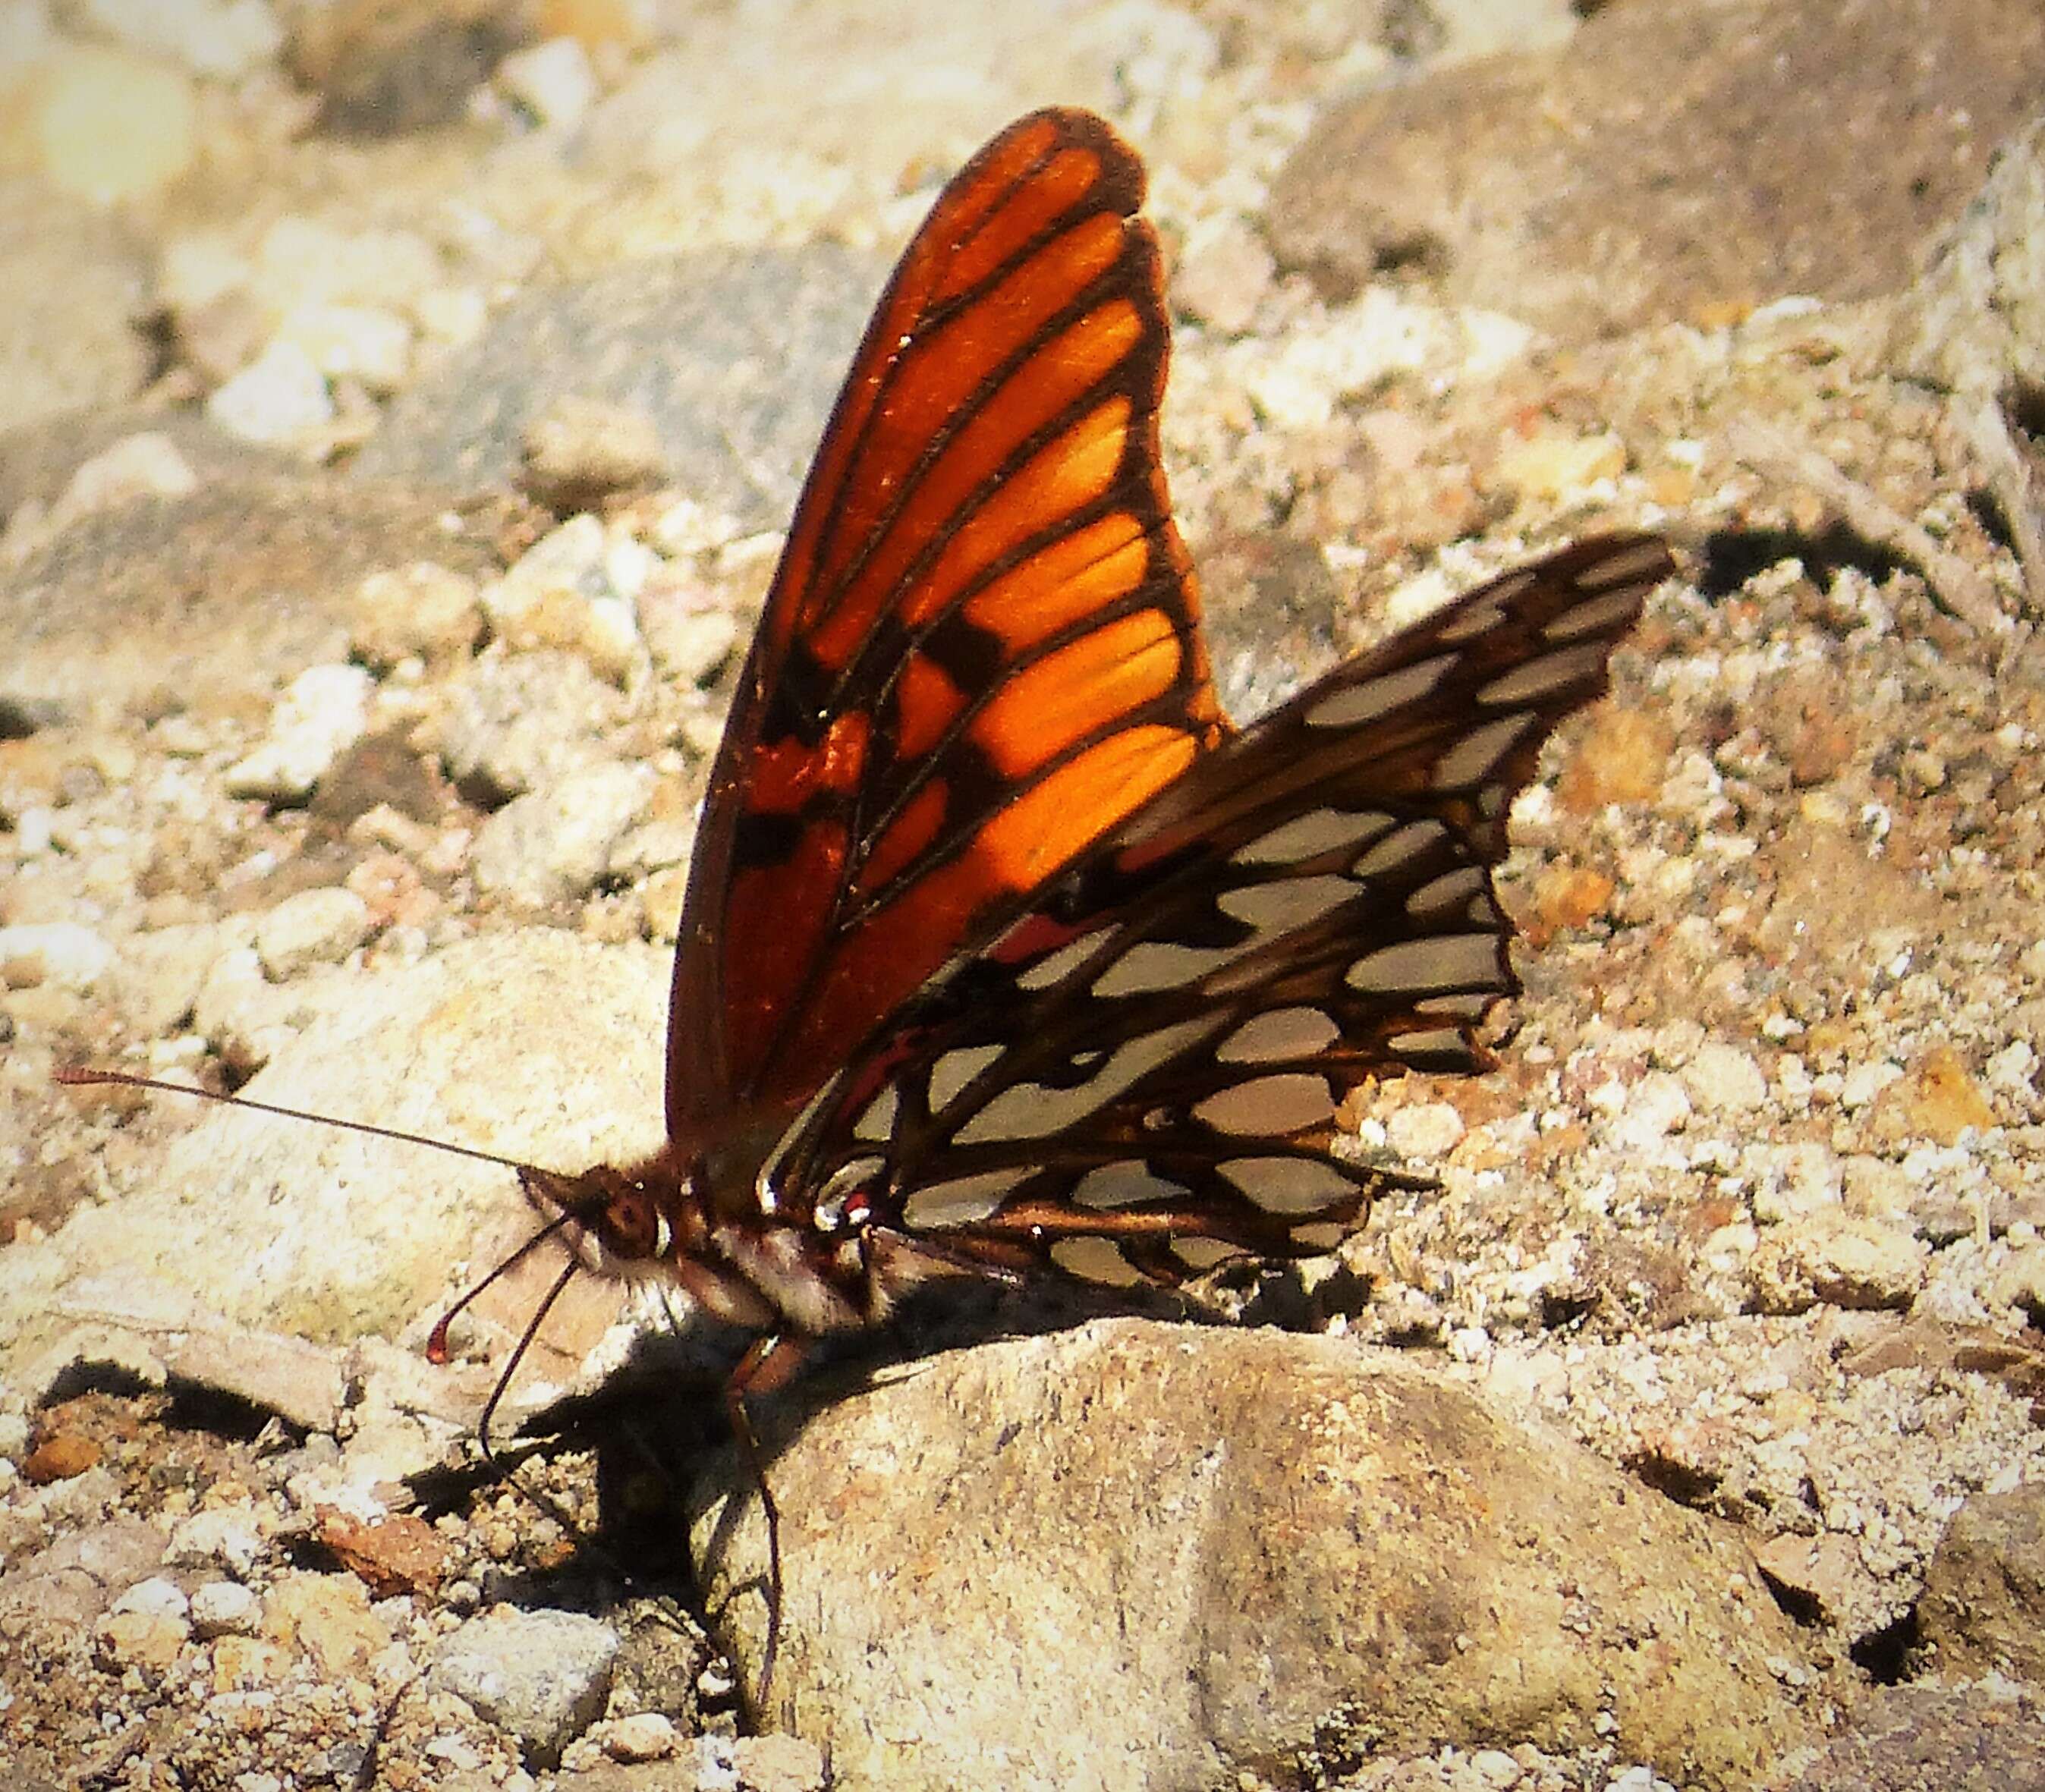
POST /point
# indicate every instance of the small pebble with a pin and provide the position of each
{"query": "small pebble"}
(422, 611)
(226, 1536)
(553, 81)
(314, 927)
(542, 1675)
(1721, 1079)
(645, 1735)
(223, 1608)
(325, 711)
(1425, 1129)
(279, 396)
(552, 845)
(146, 465)
(63, 953)
(360, 342)
(224, 39)
(1223, 273)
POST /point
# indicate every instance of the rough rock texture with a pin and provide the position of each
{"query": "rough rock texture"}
(737, 411)
(1565, 192)
(1983, 1610)
(1063, 1582)
(333, 1236)
(191, 601)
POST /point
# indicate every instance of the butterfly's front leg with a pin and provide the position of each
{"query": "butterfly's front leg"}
(766, 1368)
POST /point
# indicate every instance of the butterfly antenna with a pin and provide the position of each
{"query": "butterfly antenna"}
(81, 1076)
(436, 1340)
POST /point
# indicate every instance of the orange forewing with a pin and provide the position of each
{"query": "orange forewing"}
(980, 651)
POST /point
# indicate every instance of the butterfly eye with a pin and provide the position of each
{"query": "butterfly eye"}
(633, 1224)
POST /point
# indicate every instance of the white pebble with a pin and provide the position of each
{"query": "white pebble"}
(64, 953)
(1425, 1129)
(1721, 1079)
(325, 711)
(360, 342)
(156, 1596)
(553, 81)
(314, 927)
(279, 396)
(223, 1608)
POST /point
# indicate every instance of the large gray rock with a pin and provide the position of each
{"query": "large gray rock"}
(1671, 161)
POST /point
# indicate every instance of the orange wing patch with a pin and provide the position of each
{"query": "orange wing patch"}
(1077, 691)
(980, 651)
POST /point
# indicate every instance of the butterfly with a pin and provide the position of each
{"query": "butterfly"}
(1003, 952)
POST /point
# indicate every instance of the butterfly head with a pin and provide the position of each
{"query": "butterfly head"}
(623, 1215)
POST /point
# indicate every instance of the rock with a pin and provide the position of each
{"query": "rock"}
(1824, 1571)
(690, 636)
(59, 952)
(147, 1642)
(59, 1457)
(2020, 1282)
(314, 927)
(223, 1608)
(146, 465)
(327, 1616)
(399, 1554)
(369, 344)
(520, 721)
(280, 397)
(1224, 271)
(542, 1675)
(1983, 1608)
(1231, 1545)
(78, 1578)
(299, 1381)
(325, 711)
(387, 68)
(332, 1236)
(1975, 323)
(1428, 1129)
(553, 81)
(225, 1536)
(1983, 1738)
(551, 845)
(734, 356)
(1844, 1259)
(1744, 163)
(579, 451)
(1555, 464)
(778, 1763)
(645, 1735)
(1722, 1078)
(1937, 1099)
(564, 593)
(220, 595)
(422, 610)
(225, 39)
(159, 1596)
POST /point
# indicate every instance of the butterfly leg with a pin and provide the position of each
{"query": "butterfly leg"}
(769, 1365)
